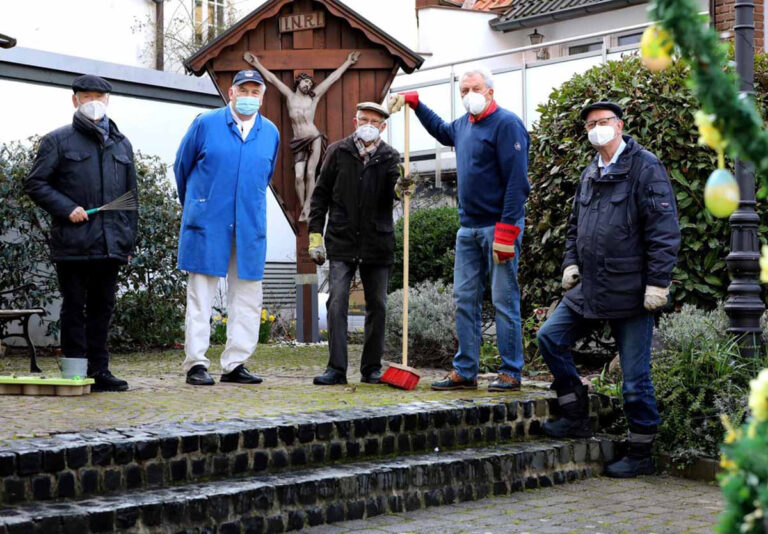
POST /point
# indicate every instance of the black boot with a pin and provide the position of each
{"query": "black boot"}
(106, 381)
(638, 461)
(574, 415)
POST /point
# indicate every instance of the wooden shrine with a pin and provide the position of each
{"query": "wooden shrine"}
(314, 37)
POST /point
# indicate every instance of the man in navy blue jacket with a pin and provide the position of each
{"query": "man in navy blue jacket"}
(492, 163)
(621, 246)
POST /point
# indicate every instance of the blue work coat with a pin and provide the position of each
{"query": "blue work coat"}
(222, 183)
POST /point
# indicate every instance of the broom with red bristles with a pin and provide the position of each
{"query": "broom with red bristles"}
(400, 375)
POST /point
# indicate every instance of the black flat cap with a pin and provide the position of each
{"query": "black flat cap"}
(88, 82)
(602, 105)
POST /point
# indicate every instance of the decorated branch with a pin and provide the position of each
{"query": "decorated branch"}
(727, 122)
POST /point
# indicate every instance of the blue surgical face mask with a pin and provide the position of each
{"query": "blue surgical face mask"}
(247, 105)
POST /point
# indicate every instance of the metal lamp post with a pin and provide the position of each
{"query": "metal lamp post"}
(745, 305)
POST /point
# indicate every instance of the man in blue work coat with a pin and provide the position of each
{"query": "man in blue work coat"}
(223, 168)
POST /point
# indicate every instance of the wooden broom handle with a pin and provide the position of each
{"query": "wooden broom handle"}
(406, 210)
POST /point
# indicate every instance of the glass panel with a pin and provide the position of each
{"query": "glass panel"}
(540, 81)
(198, 21)
(438, 98)
(580, 49)
(632, 38)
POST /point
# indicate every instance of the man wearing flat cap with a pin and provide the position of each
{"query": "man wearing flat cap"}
(78, 167)
(223, 168)
(621, 246)
(357, 187)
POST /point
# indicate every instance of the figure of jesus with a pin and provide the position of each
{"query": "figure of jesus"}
(308, 143)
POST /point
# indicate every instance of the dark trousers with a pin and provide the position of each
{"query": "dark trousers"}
(375, 279)
(633, 336)
(88, 299)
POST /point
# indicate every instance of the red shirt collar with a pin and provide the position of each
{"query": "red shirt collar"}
(490, 109)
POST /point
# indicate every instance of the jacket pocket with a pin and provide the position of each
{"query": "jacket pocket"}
(121, 169)
(73, 155)
(621, 287)
(194, 213)
(619, 215)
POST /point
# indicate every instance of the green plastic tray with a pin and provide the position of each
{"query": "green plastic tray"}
(39, 381)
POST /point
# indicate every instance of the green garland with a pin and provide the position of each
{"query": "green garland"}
(715, 87)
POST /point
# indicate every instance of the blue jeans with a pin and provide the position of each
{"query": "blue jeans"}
(633, 336)
(474, 264)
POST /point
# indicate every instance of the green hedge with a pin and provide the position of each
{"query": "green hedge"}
(659, 114)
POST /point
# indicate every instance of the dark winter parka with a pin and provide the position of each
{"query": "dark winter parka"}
(623, 234)
(358, 200)
(76, 166)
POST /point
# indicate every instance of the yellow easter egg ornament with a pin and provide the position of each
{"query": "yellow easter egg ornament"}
(656, 47)
(721, 194)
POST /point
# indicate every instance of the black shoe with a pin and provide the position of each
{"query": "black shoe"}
(574, 415)
(198, 376)
(372, 378)
(240, 375)
(505, 382)
(330, 378)
(630, 467)
(106, 381)
(568, 428)
(453, 381)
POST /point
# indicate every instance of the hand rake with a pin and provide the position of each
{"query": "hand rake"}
(125, 202)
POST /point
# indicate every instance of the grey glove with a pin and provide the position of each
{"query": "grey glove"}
(317, 254)
(571, 277)
(405, 184)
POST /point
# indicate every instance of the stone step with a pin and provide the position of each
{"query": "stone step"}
(295, 500)
(68, 466)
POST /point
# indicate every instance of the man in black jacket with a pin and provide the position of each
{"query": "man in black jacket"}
(81, 166)
(621, 246)
(356, 188)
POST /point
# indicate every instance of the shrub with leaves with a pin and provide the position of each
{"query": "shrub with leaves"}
(432, 338)
(432, 234)
(659, 115)
(699, 377)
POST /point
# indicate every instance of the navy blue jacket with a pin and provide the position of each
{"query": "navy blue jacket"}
(77, 166)
(491, 164)
(623, 234)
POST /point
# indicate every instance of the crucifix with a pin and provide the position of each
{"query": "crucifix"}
(309, 143)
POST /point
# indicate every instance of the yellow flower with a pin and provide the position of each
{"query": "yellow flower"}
(764, 265)
(224, 320)
(217, 318)
(732, 434)
(709, 135)
(271, 318)
(727, 464)
(263, 313)
(758, 397)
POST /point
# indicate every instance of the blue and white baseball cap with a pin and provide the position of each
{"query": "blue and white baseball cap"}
(245, 76)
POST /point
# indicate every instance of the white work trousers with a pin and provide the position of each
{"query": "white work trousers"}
(244, 300)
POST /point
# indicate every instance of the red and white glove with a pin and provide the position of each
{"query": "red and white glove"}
(396, 102)
(504, 237)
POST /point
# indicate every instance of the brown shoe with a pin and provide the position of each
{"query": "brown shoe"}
(505, 382)
(454, 381)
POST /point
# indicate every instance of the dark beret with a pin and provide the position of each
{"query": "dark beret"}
(89, 82)
(602, 105)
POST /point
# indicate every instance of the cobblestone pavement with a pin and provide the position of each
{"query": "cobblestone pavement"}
(158, 393)
(648, 505)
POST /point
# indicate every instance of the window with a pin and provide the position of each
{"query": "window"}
(210, 19)
(629, 39)
(587, 47)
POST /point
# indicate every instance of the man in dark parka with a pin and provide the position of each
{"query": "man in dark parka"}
(80, 166)
(356, 189)
(622, 242)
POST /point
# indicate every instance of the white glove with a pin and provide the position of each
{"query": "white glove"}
(396, 103)
(655, 297)
(317, 254)
(571, 277)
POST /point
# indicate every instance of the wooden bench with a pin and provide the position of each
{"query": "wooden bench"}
(22, 315)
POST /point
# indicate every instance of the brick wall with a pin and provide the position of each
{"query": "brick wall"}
(724, 18)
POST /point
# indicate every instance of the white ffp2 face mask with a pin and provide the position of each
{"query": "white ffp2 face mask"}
(474, 103)
(368, 133)
(601, 135)
(94, 110)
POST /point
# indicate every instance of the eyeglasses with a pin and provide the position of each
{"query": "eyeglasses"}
(372, 122)
(599, 122)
